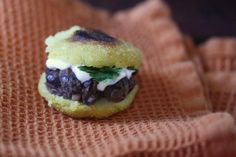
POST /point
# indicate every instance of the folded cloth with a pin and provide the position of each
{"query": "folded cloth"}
(169, 117)
(218, 57)
(215, 63)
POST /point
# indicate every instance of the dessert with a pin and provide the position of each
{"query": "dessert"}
(89, 73)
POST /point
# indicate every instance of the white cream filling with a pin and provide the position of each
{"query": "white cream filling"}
(84, 76)
(123, 73)
(57, 64)
(81, 75)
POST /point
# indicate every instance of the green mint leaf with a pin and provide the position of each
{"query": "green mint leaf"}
(101, 74)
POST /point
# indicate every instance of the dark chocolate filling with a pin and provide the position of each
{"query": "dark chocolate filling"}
(64, 83)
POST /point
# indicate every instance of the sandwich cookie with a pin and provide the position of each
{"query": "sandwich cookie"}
(89, 73)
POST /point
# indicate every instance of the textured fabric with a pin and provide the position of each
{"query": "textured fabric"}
(218, 57)
(170, 116)
(215, 62)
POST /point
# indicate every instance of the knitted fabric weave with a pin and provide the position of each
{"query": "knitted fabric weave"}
(169, 117)
(215, 63)
(218, 57)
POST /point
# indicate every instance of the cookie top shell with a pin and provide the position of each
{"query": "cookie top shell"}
(89, 47)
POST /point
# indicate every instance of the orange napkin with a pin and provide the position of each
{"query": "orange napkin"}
(170, 116)
(218, 57)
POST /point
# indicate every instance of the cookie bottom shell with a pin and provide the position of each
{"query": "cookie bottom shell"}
(100, 109)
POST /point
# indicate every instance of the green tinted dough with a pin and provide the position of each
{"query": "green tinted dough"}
(92, 53)
(101, 109)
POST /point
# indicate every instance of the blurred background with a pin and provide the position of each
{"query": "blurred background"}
(199, 18)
